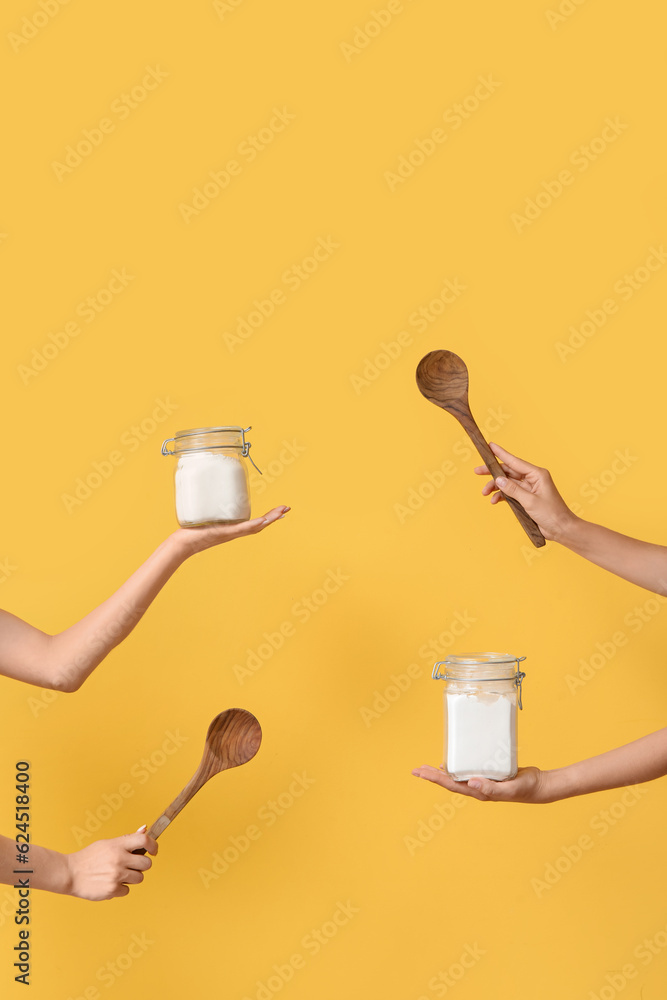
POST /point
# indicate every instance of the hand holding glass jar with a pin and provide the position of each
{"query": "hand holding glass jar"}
(644, 759)
(196, 539)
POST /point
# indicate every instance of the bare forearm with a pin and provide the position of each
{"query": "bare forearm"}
(49, 869)
(639, 562)
(642, 563)
(63, 661)
(76, 652)
(642, 760)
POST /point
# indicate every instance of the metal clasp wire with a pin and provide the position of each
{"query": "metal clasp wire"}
(245, 447)
(437, 676)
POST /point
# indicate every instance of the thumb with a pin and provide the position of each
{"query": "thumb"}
(510, 487)
(485, 786)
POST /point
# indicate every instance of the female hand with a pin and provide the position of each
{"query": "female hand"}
(528, 786)
(108, 868)
(197, 539)
(534, 489)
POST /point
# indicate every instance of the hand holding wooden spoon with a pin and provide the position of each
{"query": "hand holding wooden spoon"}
(533, 488)
(443, 378)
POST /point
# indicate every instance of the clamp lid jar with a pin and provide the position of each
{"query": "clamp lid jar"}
(481, 696)
(211, 477)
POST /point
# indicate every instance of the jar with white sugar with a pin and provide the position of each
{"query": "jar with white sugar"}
(482, 694)
(211, 477)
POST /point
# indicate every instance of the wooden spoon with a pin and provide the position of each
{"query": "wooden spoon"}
(443, 378)
(233, 738)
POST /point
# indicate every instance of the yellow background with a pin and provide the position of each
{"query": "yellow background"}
(363, 450)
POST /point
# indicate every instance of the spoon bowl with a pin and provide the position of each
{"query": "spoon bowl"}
(233, 738)
(442, 377)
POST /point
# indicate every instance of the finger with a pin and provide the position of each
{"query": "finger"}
(259, 523)
(138, 862)
(483, 470)
(151, 846)
(491, 790)
(440, 777)
(132, 877)
(512, 488)
(226, 532)
(517, 464)
(275, 514)
(133, 841)
(122, 890)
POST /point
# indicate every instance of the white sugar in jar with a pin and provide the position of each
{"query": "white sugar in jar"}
(482, 694)
(211, 478)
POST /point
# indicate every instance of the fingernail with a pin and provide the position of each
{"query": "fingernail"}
(416, 774)
(501, 481)
(142, 828)
(474, 784)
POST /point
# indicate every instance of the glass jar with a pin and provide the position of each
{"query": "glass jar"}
(211, 477)
(482, 692)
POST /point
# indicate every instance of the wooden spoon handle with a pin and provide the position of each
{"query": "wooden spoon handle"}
(172, 811)
(494, 467)
(155, 830)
